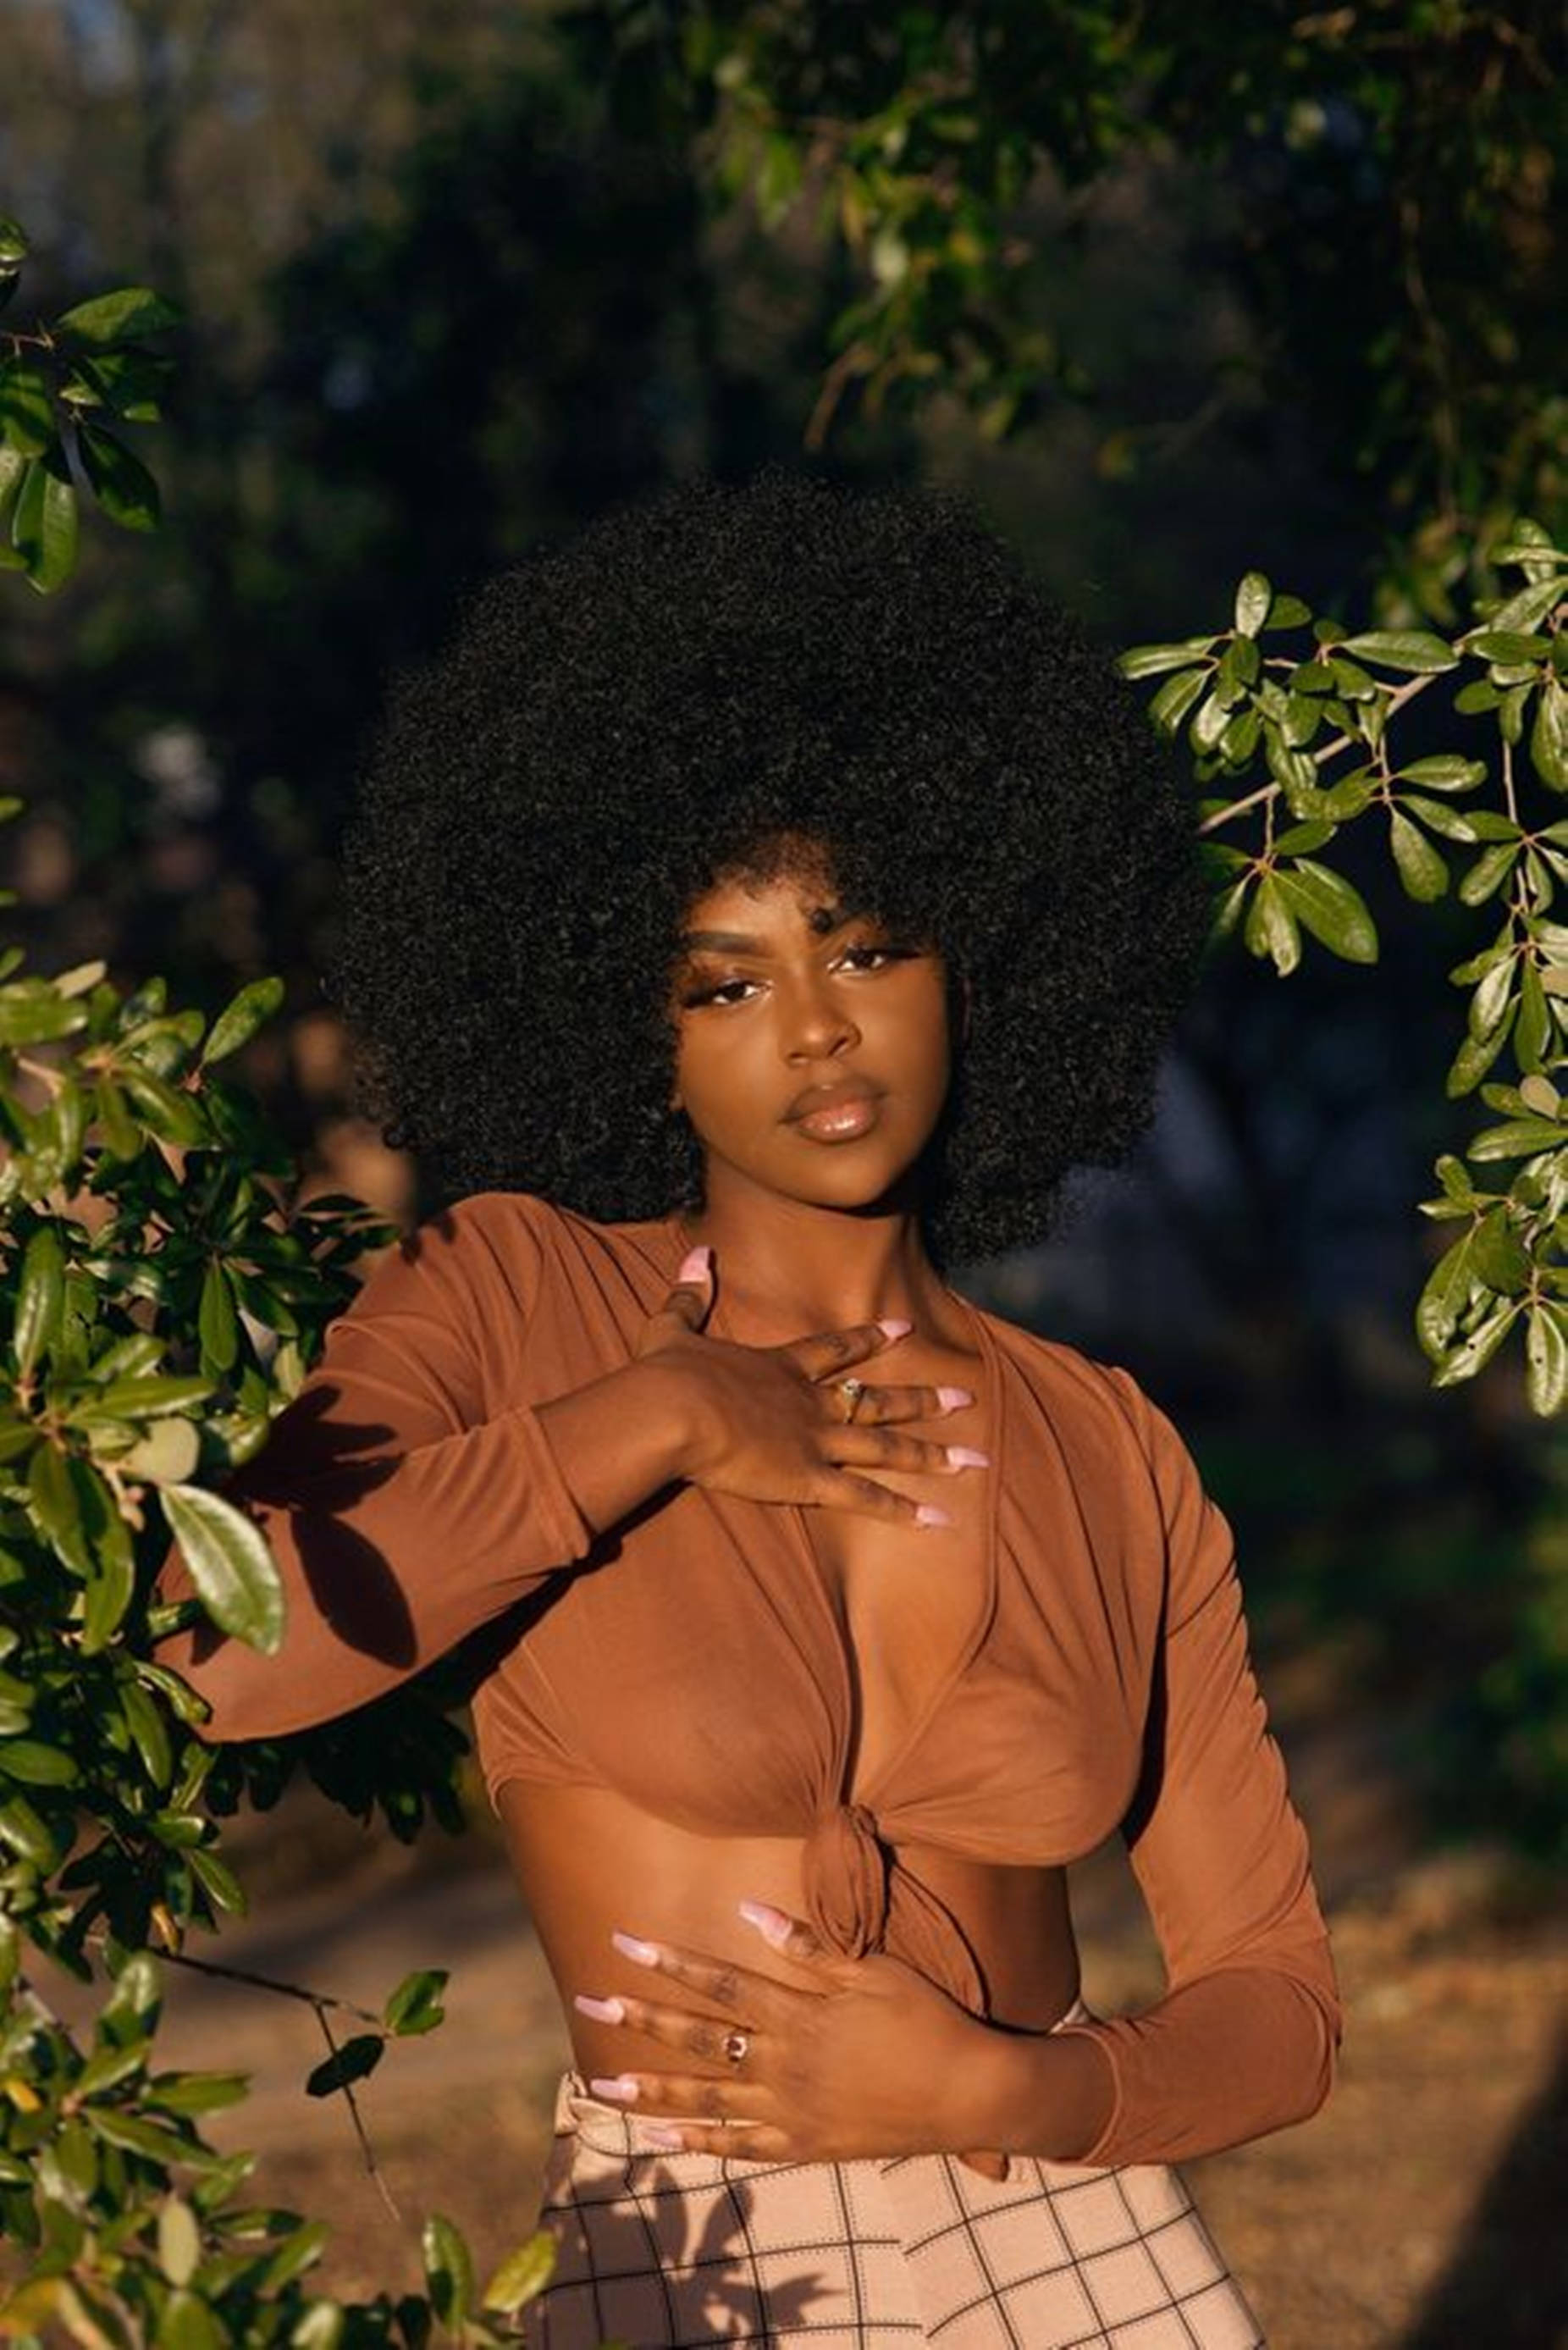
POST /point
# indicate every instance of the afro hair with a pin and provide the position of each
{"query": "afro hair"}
(621, 720)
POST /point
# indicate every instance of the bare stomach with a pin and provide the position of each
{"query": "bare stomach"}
(591, 1863)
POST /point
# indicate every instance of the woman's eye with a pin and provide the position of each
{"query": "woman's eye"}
(869, 957)
(720, 991)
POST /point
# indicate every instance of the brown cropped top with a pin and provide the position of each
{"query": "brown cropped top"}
(693, 1658)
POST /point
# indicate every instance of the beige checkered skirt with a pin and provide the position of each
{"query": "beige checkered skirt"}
(658, 2250)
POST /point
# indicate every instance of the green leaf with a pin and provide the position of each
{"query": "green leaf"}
(1422, 872)
(1415, 650)
(188, 2322)
(1175, 697)
(45, 528)
(121, 482)
(15, 248)
(1445, 1296)
(40, 1300)
(135, 2134)
(1350, 796)
(25, 1834)
(238, 1021)
(56, 1503)
(111, 1587)
(1209, 722)
(197, 2093)
(147, 1396)
(352, 2062)
(1533, 1029)
(1253, 598)
(37, 1765)
(1549, 736)
(230, 1565)
(448, 2270)
(301, 2251)
(324, 2322)
(1518, 1138)
(1488, 874)
(416, 2005)
(27, 408)
(1525, 611)
(1499, 1256)
(1288, 612)
(117, 317)
(168, 1454)
(178, 2240)
(1444, 772)
(1509, 648)
(217, 1321)
(1331, 908)
(1546, 1359)
(522, 2275)
(1478, 1349)
(1153, 660)
(1271, 928)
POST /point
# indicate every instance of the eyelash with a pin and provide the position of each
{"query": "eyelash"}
(713, 993)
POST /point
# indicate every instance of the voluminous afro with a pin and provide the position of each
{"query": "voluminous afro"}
(619, 721)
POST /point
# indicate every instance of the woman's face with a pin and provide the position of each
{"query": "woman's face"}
(812, 1046)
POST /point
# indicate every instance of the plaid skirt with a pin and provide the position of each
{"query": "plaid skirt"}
(656, 2251)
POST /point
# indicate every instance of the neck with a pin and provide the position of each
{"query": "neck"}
(788, 1266)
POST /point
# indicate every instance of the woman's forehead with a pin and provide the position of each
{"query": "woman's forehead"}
(755, 906)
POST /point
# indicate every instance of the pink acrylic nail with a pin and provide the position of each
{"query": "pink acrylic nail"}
(652, 2135)
(696, 1264)
(770, 1923)
(895, 1328)
(620, 2091)
(966, 1456)
(953, 1399)
(603, 2010)
(641, 1954)
(928, 1514)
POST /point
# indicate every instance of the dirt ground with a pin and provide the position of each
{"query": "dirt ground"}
(1427, 2208)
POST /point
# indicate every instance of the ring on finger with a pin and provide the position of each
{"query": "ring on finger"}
(851, 1390)
(735, 2045)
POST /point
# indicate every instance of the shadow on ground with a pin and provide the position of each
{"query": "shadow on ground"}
(1506, 2285)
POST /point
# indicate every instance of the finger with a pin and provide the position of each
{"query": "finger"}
(879, 1406)
(883, 1448)
(700, 2036)
(695, 2097)
(793, 1937)
(760, 2142)
(735, 1990)
(842, 1490)
(688, 1302)
(837, 1350)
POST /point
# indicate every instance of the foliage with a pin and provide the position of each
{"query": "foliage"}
(165, 1287)
(60, 383)
(1299, 729)
(1386, 175)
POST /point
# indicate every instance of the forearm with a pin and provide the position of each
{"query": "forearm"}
(619, 1439)
(1221, 2061)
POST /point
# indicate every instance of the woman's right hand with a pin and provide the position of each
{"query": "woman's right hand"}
(771, 1423)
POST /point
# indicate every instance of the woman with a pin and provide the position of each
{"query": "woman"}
(764, 902)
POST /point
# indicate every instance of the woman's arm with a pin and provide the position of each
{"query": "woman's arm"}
(1244, 2040)
(400, 1516)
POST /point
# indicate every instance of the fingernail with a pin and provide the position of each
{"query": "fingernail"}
(653, 2136)
(770, 1923)
(642, 1954)
(928, 1514)
(620, 2091)
(953, 1399)
(894, 1328)
(695, 1264)
(966, 1456)
(603, 2010)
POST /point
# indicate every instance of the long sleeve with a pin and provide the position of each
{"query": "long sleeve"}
(401, 1515)
(1244, 2040)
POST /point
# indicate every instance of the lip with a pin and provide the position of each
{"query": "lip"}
(816, 1099)
(840, 1113)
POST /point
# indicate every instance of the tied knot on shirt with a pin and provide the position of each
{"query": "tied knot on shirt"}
(862, 1899)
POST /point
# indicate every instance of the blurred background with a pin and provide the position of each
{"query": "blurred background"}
(456, 277)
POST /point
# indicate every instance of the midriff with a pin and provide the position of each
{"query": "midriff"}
(591, 1862)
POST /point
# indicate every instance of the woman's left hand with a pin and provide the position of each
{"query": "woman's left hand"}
(867, 2058)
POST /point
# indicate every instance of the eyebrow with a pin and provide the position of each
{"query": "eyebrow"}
(824, 921)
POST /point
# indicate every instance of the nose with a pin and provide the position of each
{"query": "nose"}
(818, 1025)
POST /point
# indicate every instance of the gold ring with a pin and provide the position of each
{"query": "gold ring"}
(735, 2045)
(851, 1390)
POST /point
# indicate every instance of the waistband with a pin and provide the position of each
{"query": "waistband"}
(616, 2130)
